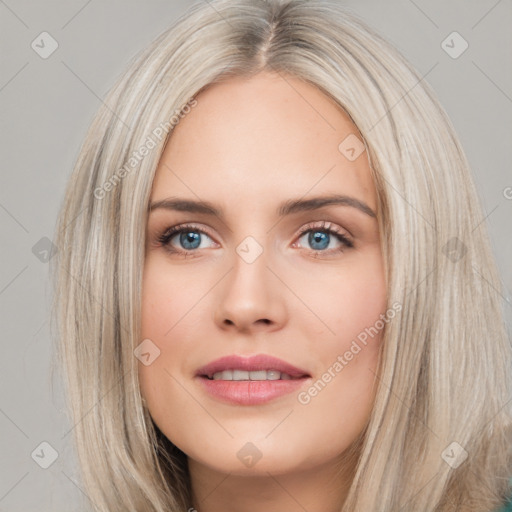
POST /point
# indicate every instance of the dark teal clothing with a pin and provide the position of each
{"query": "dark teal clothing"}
(507, 507)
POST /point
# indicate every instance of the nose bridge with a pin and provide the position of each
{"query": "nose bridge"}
(251, 233)
(249, 294)
(250, 249)
(250, 273)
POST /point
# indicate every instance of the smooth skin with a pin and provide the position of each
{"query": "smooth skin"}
(248, 146)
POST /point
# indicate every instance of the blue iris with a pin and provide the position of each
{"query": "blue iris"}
(190, 236)
(318, 236)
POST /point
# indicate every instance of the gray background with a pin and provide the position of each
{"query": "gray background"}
(45, 108)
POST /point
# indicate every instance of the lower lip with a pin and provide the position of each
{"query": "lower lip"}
(250, 392)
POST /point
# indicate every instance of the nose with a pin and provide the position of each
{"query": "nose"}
(251, 297)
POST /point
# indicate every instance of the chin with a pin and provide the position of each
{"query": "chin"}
(258, 458)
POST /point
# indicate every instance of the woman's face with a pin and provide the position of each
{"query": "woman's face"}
(274, 272)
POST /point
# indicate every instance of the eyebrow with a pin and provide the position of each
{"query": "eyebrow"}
(287, 208)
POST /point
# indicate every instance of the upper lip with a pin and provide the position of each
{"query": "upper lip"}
(250, 363)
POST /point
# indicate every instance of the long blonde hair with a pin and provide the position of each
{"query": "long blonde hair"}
(443, 378)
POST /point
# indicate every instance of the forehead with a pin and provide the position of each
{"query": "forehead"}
(262, 138)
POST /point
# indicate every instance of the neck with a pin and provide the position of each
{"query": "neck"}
(319, 489)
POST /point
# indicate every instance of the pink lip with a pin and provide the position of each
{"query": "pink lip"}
(250, 392)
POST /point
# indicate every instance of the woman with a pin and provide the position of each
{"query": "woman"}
(273, 288)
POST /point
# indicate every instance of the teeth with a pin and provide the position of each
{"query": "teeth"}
(240, 375)
(225, 375)
(259, 375)
(255, 375)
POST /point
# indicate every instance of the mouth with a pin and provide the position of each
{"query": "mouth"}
(250, 380)
(256, 367)
(237, 374)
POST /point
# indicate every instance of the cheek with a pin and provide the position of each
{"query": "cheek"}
(171, 306)
(351, 306)
(167, 298)
(153, 298)
(161, 311)
(345, 301)
(338, 403)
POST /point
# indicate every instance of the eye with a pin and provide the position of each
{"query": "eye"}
(186, 239)
(188, 236)
(320, 236)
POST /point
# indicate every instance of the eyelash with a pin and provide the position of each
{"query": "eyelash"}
(324, 227)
